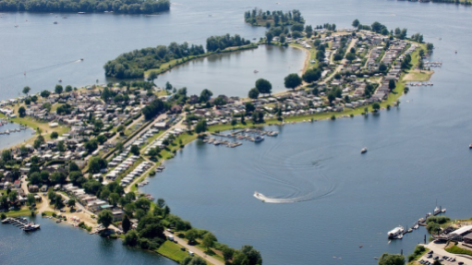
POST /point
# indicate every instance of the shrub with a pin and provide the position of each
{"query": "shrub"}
(3, 216)
(333, 117)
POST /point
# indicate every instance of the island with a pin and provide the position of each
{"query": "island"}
(82, 7)
(95, 146)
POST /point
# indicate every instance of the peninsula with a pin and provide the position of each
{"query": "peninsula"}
(95, 146)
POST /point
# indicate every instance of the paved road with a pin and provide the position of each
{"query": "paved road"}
(195, 250)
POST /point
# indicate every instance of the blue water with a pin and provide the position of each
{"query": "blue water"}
(9, 140)
(63, 244)
(418, 153)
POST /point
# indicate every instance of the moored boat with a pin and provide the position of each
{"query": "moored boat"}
(364, 150)
(396, 233)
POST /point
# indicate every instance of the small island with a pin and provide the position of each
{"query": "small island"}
(82, 7)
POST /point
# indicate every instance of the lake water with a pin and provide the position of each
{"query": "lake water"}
(232, 74)
(63, 244)
(417, 153)
(8, 140)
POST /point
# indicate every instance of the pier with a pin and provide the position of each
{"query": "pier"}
(253, 135)
(21, 223)
(7, 132)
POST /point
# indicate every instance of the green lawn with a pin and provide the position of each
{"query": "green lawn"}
(458, 250)
(172, 251)
(24, 211)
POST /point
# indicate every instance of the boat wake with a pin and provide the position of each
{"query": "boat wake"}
(298, 176)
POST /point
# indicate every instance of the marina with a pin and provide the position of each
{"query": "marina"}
(420, 84)
(398, 232)
(253, 135)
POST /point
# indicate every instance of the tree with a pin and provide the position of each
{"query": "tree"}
(205, 95)
(71, 203)
(350, 57)
(131, 238)
(219, 101)
(269, 36)
(429, 46)
(311, 75)
(376, 106)
(209, 240)
(191, 236)
(249, 107)
(96, 164)
(254, 257)
(22, 111)
(30, 199)
(227, 253)
(26, 90)
(355, 23)
(45, 93)
(13, 196)
(391, 85)
(54, 135)
(152, 76)
(61, 146)
(105, 218)
(68, 88)
(193, 261)
(6, 155)
(58, 89)
(201, 126)
(126, 224)
(292, 81)
(135, 150)
(58, 177)
(382, 67)
(263, 86)
(253, 93)
(391, 259)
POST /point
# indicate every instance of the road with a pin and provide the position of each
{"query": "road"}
(195, 250)
(339, 67)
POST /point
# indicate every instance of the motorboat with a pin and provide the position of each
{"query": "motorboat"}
(55, 23)
(259, 196)
(396, 233)
(364, 150)
(258, 138)
(255, 71)
(31, 227)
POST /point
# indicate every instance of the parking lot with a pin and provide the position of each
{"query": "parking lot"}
(437, 252)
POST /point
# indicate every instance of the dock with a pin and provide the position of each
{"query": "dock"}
(253, 135)
(21, 223)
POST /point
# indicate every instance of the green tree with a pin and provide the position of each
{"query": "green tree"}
(376, 106)
(253, 93)
(68, 88)
(355, 23)
(209, 240)
(22, 112)
(58, 89)
(254, 257)
(135, 150)
(391, 259)
(61, 146)
(249, 107)
(105, 218)
(292, 81)
(131, 238)
(152, 76)
(201, 126)
(350, 57)
(54, 135)
(126, 224)
(263, 86)
(45, 93)
(6, 155)
(311, 75)
(71, 203)
(30, 199)
(391, 85)
(205, 95)
(26, 90)
(96, 164)
(191, 236)
(193, 261)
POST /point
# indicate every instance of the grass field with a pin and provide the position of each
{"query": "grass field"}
(417, 75)
(458, 250)
(24, 211)
(172, 251)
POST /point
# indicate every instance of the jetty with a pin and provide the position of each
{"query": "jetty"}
(21, 223)
(7, 132)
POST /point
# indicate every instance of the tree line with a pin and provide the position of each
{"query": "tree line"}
(257, 17)
(215, 43)
(133, 64)
(89, 6)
